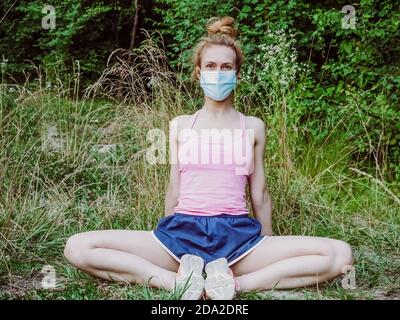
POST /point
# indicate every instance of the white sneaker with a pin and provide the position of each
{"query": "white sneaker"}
(190, 277)
(220, 283)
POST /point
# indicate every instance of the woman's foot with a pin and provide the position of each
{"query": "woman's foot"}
(190, 277)
(220, 283)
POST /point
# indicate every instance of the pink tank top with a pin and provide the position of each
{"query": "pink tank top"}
(215, 183)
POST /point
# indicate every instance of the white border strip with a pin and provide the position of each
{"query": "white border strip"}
(247, 252)
(163, 245)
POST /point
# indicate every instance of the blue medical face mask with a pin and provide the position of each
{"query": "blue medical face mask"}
(217, 85)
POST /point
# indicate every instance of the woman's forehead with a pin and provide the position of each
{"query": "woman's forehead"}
(218, 54)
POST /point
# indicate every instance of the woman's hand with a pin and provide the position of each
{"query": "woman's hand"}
(266, 231)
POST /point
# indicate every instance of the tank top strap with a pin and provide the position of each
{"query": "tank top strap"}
(194, 118)
(242, 123)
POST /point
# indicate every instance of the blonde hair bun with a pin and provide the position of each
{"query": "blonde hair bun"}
(224, 25)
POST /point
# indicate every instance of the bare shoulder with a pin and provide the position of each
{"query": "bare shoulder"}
(257, 124)
(178, 123)
(182, 121)
(259, 129)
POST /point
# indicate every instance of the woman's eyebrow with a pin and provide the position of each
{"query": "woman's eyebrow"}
(222, 63)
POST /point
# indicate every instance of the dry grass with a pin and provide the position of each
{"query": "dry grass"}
(55, 183)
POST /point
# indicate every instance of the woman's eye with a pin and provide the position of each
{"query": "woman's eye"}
(227, 67)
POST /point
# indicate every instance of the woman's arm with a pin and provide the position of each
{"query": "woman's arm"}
(172, 194)
(173, 189)
(260, 198)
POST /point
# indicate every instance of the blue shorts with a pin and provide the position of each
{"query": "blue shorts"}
(210, 237)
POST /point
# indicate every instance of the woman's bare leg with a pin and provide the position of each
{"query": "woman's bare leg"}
(291, 262)
(123, 256)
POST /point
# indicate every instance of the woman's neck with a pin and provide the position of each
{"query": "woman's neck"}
(218, 109)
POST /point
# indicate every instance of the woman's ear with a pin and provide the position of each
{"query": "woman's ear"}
(197, 72)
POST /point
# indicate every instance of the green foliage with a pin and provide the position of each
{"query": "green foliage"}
(329, 97)
(346, 79)
(86, 31)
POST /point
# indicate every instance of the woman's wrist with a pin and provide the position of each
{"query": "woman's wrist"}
(266, 231)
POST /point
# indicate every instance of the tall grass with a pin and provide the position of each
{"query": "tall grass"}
(70, 164)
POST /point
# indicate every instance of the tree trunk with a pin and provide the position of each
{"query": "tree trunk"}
(139, 6)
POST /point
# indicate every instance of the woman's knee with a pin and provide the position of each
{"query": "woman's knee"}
(343, 257)
(74, 250)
